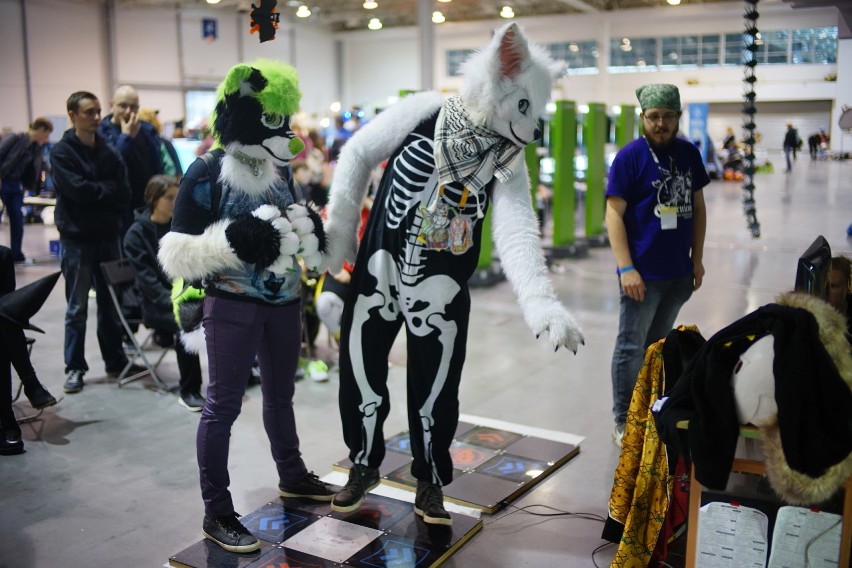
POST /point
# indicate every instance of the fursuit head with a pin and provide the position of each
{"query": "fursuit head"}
(448, 159)
(254, 145)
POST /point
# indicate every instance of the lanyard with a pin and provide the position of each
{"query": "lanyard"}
(657, 161)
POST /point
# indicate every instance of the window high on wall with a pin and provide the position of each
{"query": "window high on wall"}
(778, 47)
(455, 57)
(580, 56)
(633, 54)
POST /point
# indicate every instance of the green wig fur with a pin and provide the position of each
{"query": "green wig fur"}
(274, 85)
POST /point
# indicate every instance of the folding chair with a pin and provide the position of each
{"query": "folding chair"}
(120, 274)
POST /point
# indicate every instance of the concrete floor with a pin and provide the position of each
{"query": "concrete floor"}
(109, 476)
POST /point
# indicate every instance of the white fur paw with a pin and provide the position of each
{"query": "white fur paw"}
(267, 212)
(296, 211)
(303, 226)
(549, 315)
(341, 245)
(283, 225)
(308, 245)
(283, 264)
(289, 244)
(313, 261)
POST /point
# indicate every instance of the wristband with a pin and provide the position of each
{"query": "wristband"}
(627, 268)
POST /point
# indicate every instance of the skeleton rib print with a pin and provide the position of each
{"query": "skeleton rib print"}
(413, 188)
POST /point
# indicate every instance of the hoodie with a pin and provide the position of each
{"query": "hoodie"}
(91, 189)
(140, 246)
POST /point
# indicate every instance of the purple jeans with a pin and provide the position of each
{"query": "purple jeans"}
(235, 331)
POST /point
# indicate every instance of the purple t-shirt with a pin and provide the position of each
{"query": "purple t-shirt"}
(657, 253)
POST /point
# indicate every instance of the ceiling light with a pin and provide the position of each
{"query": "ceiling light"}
(375, 24)
(673, 2)
(445, 1)
(303, 12)
(335, 106)
(507, 12)
(370, 5)
(213, 1)
(438, 18)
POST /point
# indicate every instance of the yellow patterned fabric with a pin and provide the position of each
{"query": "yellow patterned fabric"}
(640, 491)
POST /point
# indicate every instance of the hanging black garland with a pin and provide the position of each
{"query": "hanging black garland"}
(750, 39)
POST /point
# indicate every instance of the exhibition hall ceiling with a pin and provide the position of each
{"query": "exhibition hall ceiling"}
(347, 15)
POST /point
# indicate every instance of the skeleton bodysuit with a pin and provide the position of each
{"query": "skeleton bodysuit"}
(420, 247)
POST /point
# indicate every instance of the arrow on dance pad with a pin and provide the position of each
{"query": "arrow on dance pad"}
(273, 523)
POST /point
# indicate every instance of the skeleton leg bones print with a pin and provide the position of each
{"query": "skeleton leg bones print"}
(449, 160)
(401, 287)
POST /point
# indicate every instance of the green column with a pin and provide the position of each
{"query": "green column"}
(594, 135)
(533, 167)
(625, 126)
(486, 253)
(563, 140)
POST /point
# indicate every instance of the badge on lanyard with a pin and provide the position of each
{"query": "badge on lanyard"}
(668, 213)
(668, 217)
(446, 228)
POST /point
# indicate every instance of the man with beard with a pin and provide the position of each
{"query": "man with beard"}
(656, 221)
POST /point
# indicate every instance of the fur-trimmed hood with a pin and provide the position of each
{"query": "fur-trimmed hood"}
(793, 486)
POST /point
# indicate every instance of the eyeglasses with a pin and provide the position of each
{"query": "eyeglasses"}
(668, 117)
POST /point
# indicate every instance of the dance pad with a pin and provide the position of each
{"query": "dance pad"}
(295, 533)
(494, 462)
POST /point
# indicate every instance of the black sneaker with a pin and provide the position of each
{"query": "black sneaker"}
(10, 442)
(133, 370)
(429, 504)
(229, 533)
(73, 381)
(309, 487)
(192, 402)
(362, 479)
(39, 397)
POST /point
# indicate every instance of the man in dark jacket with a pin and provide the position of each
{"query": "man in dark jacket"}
(91, 197)
(20, 166)
(137, 143)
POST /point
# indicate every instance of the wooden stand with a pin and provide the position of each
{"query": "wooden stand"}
(758, 467)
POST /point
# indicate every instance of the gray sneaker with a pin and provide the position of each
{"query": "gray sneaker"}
(429, 504)
(362, 479)
(229, 533)
(73, 381)
(309, 487)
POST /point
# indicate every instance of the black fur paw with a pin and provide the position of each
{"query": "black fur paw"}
(254, 240)
(319, 229)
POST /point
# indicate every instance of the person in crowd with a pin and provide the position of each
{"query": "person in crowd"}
(92, 194)
(168, 154)
(312, 192)
(14, 352)
(824, 140)
(730, 141)
(840, 289)
(140, 245)
(656, 220)
(791, 143)
(317, 159)
(137, 143)
(813, 145)
(21, 163)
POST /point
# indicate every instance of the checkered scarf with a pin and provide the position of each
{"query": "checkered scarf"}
(468, 153)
